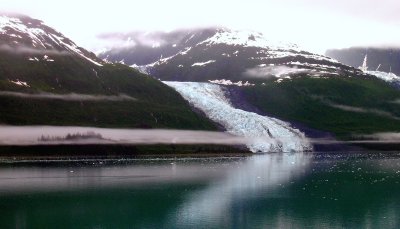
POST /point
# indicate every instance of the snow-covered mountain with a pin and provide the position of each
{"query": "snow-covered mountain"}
(223, 54)
(35, 57)
(22, 34)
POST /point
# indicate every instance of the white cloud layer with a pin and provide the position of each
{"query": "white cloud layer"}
(68, 97)
(316, 25)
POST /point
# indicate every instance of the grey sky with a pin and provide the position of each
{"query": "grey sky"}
(314, 24)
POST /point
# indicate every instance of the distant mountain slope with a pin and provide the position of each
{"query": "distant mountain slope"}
(384, 58)
(223, 54)
(144, 48)
(46, 79)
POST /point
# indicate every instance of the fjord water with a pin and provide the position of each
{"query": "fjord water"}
(313, 190)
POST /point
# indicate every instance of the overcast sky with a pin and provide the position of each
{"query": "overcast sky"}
(314, 24)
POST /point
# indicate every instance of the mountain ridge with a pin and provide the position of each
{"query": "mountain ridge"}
(59, 83)
(220, 48)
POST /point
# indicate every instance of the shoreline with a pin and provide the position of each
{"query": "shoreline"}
(86, 154)
(104, 151)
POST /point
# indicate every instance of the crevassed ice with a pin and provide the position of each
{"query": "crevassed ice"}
(267, 134)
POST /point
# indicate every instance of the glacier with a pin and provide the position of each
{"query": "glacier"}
(267, 134)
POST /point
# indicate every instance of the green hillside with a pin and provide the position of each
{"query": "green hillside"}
(154, 106)
(345, 106)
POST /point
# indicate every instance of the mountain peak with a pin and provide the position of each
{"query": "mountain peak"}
(247, 38)
(22, 34)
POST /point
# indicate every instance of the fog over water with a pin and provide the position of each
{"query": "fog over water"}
(56, 135)
(30, 135)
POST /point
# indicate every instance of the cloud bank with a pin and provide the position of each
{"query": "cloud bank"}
(317, 25)
(56, 135)
(69, 97)
(31, 135)
(28, 50)
(364, 110)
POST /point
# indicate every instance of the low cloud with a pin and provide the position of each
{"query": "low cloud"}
(32, 135)
(397, 101)
(152, 38)
(136, 39)
(390, 136)
(273, 71)
(384, 137)
(54, 135)
(28, 50)
(364, 110)
(69, 97)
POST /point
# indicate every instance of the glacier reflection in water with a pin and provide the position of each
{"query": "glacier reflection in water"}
(256, 177)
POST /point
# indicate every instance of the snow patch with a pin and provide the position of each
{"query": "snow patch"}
(388, 77)
(46, 58)
(203, 63)
(185, 52)
(14, 35)
(141, 68)
(229, 82)
(20, 83)
(33, 59)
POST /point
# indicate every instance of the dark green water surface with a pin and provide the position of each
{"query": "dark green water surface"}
(320, 190)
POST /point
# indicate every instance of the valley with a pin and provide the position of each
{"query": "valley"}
(182, 81)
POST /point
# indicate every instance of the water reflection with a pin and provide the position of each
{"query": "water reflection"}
(261, 191)
(252, 179)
